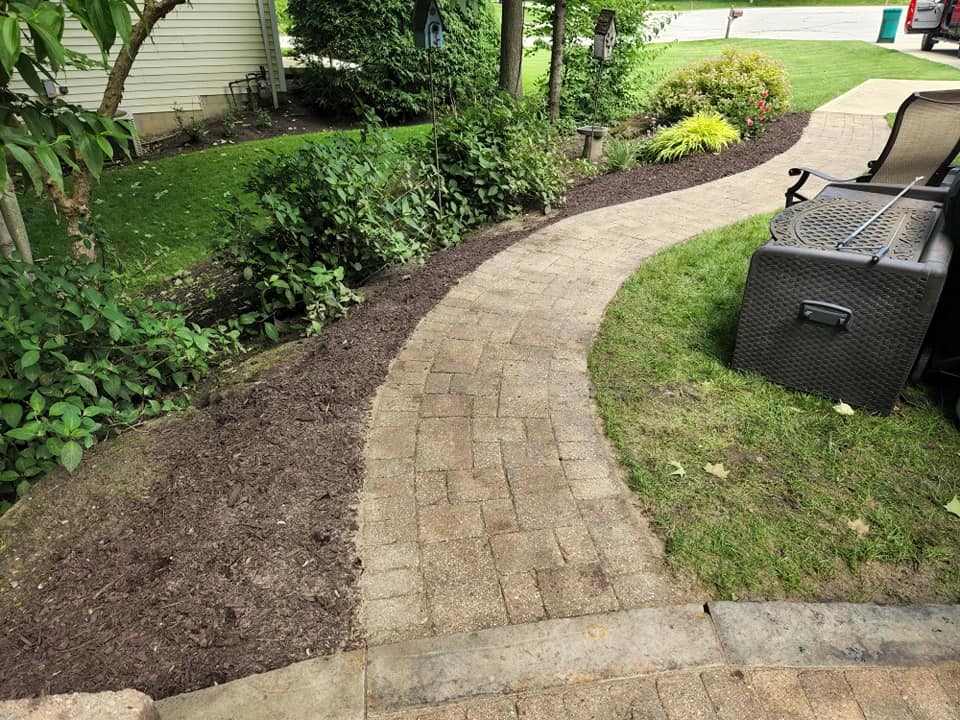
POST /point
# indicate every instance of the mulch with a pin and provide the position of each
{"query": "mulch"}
(237, 556)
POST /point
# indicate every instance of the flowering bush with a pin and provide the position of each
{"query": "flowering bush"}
(737, 84)
(752, 116)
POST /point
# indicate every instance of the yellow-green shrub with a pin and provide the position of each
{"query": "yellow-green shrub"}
(698, 134)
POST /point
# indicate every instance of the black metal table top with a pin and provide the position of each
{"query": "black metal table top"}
(821, 223)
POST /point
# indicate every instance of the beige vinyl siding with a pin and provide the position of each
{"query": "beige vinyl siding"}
(191, 56)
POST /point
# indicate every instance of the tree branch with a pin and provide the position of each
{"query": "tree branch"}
(153, 12)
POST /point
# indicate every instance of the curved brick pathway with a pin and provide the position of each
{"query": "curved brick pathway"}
(491, 496)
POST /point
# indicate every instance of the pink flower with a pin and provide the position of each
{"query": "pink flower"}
(765, 93)
(749, 122)
(760, 104)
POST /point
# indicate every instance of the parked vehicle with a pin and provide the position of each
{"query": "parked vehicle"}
(936, 21)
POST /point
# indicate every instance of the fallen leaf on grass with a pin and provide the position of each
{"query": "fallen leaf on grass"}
(953, 506)
(677, 469)
(717, 470)
(860, 527)
(841, 408)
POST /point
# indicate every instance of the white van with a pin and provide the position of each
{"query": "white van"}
(935, 20)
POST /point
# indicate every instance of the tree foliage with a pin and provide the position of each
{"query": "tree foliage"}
(44, 134)
(387, 72)
(79, 359)
(625, 77)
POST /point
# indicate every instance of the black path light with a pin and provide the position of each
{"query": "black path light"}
(428, 35)
(604, 40)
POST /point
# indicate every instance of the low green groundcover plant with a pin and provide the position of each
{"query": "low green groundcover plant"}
(79, 359)
(758, 490)
(620, 154)
(694, 135)
(737, 85)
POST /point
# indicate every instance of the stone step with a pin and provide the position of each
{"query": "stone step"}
(122, 705)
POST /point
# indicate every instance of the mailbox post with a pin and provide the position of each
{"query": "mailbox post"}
(731, 16)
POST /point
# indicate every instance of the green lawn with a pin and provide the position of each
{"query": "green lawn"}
(161, 215)
(819, 70)
(803, 479)
(536, 65)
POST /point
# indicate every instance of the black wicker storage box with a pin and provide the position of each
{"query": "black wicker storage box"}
(847, 324)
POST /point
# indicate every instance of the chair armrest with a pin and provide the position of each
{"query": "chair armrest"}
(810, 171)
(793, 195)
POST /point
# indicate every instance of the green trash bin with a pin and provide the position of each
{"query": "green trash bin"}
(888, 28)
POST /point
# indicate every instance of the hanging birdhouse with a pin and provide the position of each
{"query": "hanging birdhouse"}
(427, 25)
(605, 35)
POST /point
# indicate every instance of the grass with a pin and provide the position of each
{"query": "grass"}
(819, 70)
(799, 472)
(160, 215)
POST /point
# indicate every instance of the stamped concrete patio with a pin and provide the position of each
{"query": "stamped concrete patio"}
(491, 497)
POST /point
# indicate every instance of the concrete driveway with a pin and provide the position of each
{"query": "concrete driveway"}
(781, 23)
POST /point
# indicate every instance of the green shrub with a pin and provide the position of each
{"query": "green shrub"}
(389, 73)
(324, 216)
(231, 118)
(732, 85)
(331, 213)
(698, 134)
(498, 157)
(79, 358)
(619, 154)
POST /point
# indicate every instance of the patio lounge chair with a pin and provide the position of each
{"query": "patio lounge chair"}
(924, 141)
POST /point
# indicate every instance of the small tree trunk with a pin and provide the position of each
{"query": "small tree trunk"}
(6, 241)
(13, 221)
(76, 206)
(556, 59)
(511, 47)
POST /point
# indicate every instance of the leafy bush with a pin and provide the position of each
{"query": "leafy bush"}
(497, 157)
(626, 76)
(388, 73)
(195, 128)
(328, 214)
(731, 85)
(692, 136)
(231, 117)
(619, 154)
(78, 358)
(331, 213)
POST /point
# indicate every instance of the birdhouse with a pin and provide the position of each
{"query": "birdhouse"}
(605, 35)
(427, 25)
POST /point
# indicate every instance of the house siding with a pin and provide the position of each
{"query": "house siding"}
(188, 62)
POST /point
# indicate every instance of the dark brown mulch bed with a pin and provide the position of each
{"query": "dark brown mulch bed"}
(290, 119)
(219, 544)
